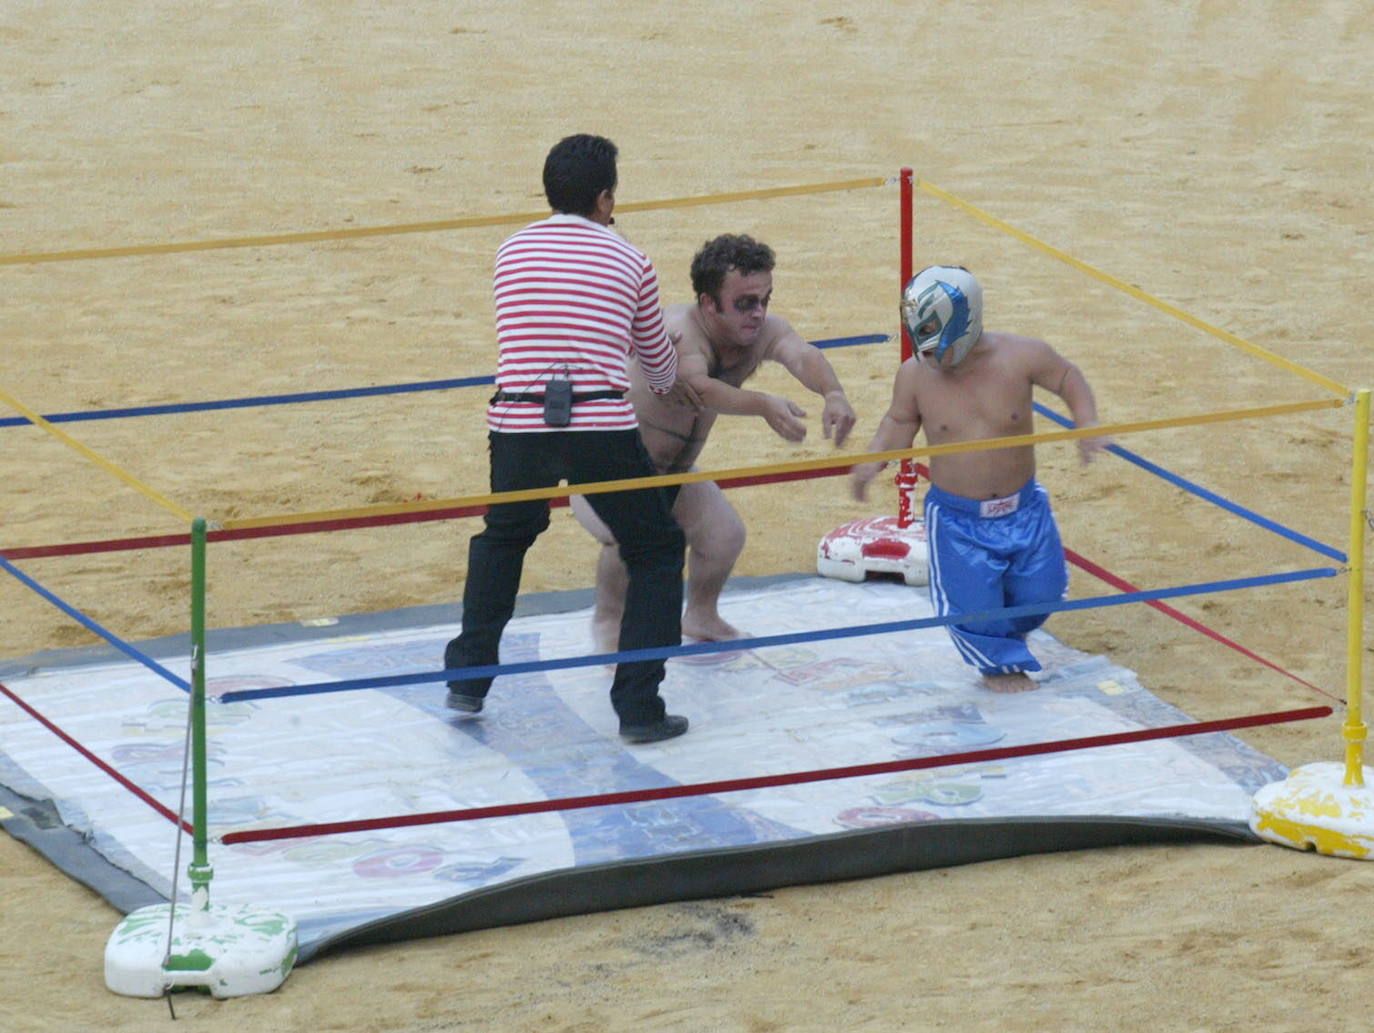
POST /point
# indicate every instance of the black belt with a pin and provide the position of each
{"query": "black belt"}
(585, 396)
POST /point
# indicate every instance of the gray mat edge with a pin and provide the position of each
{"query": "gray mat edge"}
(37, 824)
(757, 868)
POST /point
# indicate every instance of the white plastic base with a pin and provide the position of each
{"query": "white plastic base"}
(874, 545)
(230, 951)
(1312, 809)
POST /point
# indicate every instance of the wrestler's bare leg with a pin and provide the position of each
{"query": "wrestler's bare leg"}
(715, 538)
(1019, 682)
(612, 582)
(612, 579)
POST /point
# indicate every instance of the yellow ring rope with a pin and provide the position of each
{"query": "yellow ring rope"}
(470, 222)
(1135, 292)
(669, 479)
(105, 464)
(663, 480)
(352, 233)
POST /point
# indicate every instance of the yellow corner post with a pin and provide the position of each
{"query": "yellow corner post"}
(1354, 730)
(1327, 807)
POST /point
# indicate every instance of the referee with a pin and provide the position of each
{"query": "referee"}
(575, 303)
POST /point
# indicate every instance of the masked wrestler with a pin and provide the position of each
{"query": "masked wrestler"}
(992, 538)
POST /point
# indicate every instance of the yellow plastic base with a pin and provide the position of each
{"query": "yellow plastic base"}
(1312, 809)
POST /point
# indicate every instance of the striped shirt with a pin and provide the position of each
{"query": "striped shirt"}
(575, 299)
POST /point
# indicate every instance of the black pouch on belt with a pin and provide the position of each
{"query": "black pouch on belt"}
(558, 402)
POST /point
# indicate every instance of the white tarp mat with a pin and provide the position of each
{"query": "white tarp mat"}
(374, 754)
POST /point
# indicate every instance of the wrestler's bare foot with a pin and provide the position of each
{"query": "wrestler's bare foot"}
(708, 627)
(1019, 682)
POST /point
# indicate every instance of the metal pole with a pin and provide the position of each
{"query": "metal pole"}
(1354, 730)
(199, 871)
(906, 471)
(906, 257)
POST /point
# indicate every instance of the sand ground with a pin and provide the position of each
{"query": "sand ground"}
(1213, 153)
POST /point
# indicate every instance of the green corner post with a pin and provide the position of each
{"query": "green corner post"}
(199, 871)
(229, 950)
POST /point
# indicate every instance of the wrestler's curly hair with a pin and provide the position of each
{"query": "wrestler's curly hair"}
(721, 254)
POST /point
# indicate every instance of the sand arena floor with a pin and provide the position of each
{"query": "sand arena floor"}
(1213, 154)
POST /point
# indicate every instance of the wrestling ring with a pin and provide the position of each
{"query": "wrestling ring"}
(891, 759)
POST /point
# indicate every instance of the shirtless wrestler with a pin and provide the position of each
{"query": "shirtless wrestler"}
(722, 340)
(991, 537)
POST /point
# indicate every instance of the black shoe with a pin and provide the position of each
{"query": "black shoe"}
(461, 701)
(670, 727)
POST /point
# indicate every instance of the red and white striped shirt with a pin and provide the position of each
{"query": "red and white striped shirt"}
(575, 299)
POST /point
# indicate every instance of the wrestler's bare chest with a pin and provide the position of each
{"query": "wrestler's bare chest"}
(988, 400)
(674, 435)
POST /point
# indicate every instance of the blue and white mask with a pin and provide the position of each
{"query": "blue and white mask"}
(942, 310)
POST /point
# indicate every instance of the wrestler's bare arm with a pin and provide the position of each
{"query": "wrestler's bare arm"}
(1056, 374)
(782, 415)
(813, 371)
(898, 429)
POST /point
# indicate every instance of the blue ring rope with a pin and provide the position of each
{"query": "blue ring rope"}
(245, 403)
(91, 625)
(325, 396)
(698, 648)
(1326, 550)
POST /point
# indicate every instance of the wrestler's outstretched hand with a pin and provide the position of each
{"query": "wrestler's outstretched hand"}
(785, 417)
(859, 476)
(1089, 447)
(838, 418)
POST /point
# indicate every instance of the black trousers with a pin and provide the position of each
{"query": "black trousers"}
(651, 544)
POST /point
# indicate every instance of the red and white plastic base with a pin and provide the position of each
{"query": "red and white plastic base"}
(874, 546)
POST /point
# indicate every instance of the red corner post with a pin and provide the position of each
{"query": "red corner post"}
(906, 474)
